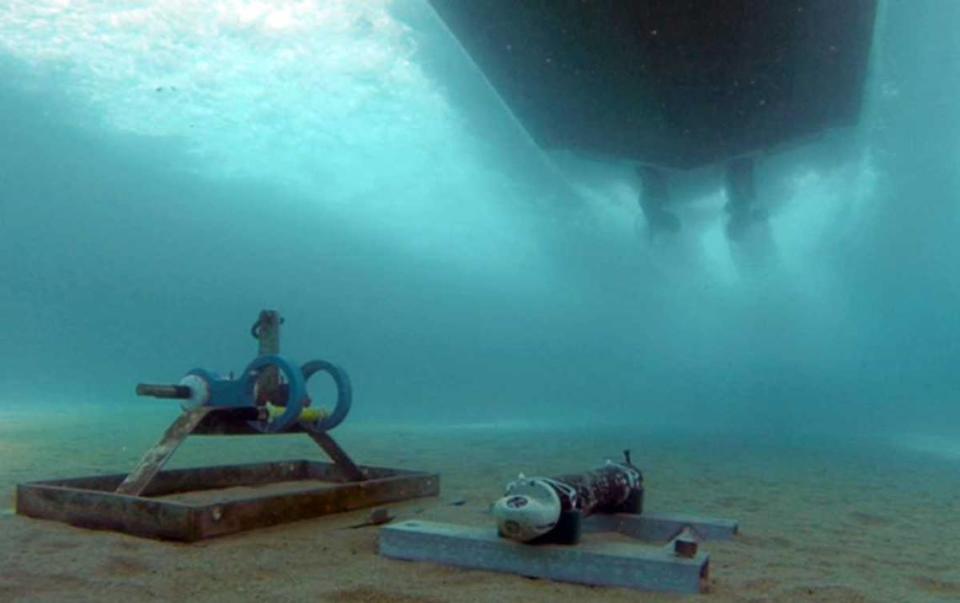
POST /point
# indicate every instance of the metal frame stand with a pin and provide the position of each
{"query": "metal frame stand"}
(168, 508)
(153, 461)
(150, 502)
(155, 503)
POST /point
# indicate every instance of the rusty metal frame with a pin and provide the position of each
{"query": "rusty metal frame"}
(92, 502)
(138, 481)
(144, 502)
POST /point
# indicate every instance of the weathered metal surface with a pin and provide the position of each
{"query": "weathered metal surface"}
(151, 463)
(600, 564)
(337, 454)
(92, 502)
(246, 514)
(190, 421)
(106, 510)
(267, 332)
(662, 527)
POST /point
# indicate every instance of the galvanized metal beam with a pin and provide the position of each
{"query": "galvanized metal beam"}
(599, 564)
(661, 527)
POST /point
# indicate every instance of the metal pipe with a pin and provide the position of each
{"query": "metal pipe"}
(267, 332)
(174, 392)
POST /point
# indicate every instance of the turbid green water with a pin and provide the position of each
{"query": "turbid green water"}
(206, 161)
(168, 169)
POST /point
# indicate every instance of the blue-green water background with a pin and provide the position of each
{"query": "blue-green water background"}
(168, 171)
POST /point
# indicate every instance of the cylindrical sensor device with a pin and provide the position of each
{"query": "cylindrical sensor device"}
(549, 509)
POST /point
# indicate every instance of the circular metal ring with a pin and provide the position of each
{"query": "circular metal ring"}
(344, 392)
(297, 388)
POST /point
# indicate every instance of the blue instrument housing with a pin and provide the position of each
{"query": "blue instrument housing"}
(241, 392)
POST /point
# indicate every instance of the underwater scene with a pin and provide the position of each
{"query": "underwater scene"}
(416, 301)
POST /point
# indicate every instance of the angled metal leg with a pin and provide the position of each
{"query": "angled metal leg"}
(337, 454)
(154, 460)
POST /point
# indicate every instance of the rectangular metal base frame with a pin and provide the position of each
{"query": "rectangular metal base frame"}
(651, 568)
(185, 505)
